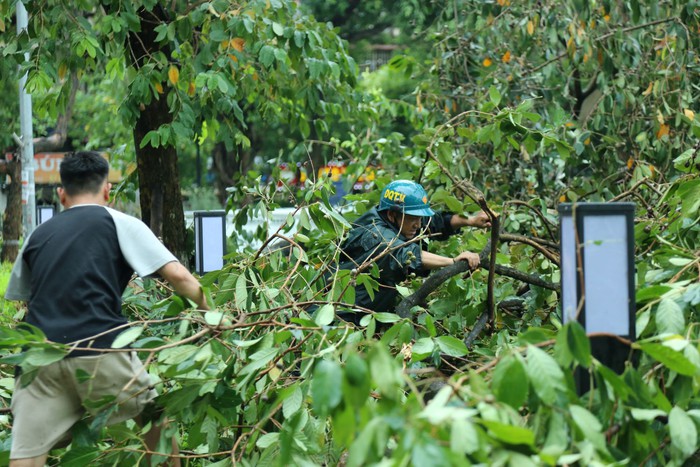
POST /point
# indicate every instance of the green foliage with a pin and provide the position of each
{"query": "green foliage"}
(269, 377)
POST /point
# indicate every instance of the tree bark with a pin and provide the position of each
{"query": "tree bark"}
(159, 179)
(12, 219)
(159, 182)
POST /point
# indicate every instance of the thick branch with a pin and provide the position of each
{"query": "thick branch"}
(437, 278)
(476, 330)
(524, 277)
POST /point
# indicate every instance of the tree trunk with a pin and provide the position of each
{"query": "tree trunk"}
(12, 219)
(159, 182)
(159, 178)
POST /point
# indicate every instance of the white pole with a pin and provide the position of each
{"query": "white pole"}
(27, 147)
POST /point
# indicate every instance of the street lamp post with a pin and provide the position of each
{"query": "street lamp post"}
(209, 240)
(597, 277)
(26, 142)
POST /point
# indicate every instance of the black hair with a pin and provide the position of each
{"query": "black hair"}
(83, 172)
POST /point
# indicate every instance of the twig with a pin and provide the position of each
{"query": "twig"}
(495, 230)
(598, 39)
(533, 243)
(539, 214)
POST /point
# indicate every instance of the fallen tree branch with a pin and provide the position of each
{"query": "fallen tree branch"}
(435, 280)
(441, 275)
(525, 277)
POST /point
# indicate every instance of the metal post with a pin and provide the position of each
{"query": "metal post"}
(27, 147)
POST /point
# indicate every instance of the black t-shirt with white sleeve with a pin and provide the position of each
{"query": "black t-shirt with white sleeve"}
(74, 268)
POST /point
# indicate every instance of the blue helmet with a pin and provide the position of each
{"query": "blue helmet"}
(405, 196)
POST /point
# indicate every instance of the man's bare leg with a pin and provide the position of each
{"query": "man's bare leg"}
(38, 461)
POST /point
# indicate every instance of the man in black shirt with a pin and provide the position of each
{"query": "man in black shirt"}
(72, 272)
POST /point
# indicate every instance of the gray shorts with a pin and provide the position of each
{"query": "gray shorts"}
(45, 410)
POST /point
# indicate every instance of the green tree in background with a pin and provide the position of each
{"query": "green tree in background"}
(186, 65)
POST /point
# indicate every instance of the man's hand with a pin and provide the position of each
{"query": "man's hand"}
(471, 258)
(480, 220)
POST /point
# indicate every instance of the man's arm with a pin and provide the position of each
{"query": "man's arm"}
(433, 261)
(184, 283)
(480, 220)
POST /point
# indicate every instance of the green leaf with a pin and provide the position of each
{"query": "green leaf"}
(651, 293)
(213, 318)
(177, 355)
(249, 343)
(452, 346)
(267, 55)
(510, 384)
(363, 444)
(277, 28)
(646, 415)
(385, 372)
(689, 192)
(686, 161)
(509, 434)
(422, 348)
(403, 291)
(427, 452)
(589, 425)
(535, 336)
(259, 360)
(545, 374)
(494, 95)
(80, 456)
(241, 294)
(387, 317)
(464, 438)
(669, 317)
(430, 325)
(684, 434)
(293, 402)
(267, 440)
(672, 359)
(180, 399)
(356, 371)
(578, 343)
(618, 385)
(326, 386)
(324, 315)
(127, 337)
(37, 357)
(315, 68)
